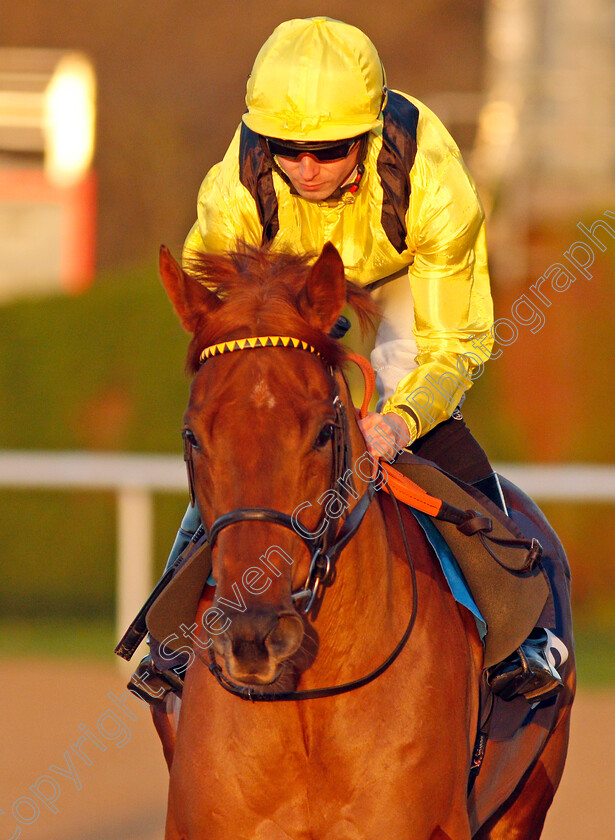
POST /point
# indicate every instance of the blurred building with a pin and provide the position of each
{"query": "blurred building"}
(545, 145)
(47, 204)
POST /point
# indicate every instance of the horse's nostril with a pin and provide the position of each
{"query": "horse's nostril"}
(285, 638)
(258, 643)
(249, 651)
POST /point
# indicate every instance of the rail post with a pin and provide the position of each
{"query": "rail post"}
(135, 520)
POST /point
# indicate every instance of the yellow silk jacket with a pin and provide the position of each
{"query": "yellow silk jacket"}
(444, 254)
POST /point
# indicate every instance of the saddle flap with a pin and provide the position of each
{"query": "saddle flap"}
(509, 599)
(177, 603)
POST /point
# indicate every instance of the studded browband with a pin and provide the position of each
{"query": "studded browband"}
(254, 342)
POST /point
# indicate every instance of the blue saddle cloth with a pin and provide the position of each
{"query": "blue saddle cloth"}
(450, 567)
(509, 716)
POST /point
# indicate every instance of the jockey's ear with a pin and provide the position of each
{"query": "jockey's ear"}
(191, 300)
(325, 289)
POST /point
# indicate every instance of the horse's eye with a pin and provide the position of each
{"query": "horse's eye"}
(189, 437)
(325, 435)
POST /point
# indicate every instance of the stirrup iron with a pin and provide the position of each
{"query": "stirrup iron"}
(532, 670)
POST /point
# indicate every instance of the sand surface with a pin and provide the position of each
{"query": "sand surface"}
(121, 793)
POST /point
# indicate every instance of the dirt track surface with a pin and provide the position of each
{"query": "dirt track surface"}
(122, 792)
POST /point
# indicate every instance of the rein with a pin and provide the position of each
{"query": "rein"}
(254, 695)
(327, 541)
(324, 550)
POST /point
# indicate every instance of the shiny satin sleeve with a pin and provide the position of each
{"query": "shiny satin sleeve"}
(226, 211)
(453, 309)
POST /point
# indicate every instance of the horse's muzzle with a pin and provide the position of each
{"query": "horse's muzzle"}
(255, 645)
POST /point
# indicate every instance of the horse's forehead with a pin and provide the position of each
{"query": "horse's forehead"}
(261, 395)
(262, 381)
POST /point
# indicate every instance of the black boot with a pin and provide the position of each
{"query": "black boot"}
(490, 487)
(531, 671)
(149, 682)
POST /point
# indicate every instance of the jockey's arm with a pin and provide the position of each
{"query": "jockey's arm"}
(453, 309)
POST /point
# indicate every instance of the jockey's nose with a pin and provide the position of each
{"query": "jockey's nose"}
(308, 167)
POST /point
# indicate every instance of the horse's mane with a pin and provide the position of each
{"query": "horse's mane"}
(259, 292)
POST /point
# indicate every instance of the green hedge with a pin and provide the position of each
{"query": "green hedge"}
(102, 371)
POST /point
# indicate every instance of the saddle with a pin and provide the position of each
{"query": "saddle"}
(500, 564)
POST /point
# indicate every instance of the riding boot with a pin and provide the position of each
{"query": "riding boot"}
(531, 670)
(152, 684)
(491, 488)
(149, 682)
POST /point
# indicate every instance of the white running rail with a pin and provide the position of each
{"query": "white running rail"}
(134, 478)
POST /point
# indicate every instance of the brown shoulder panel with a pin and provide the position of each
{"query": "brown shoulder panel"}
(395, 161)
(255, 173)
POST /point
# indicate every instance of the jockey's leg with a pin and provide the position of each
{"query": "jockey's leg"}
(532, 669)
(491, 488)
(153, 683)
(452, 447)
(187, 530)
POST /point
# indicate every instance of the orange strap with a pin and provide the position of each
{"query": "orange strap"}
(401, 487)
(369, 378)
(406, 491)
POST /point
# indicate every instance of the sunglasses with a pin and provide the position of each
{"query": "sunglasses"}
(323, 152)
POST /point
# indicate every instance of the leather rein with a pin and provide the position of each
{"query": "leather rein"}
(325, 543)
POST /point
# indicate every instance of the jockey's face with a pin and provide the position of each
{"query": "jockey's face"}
(315, 179)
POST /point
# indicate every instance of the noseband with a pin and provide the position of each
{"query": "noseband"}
(327, 540)
(324, 548)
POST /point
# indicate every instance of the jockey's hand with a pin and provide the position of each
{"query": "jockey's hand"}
(385, 435)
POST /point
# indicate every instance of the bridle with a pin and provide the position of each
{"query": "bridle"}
(328, 538)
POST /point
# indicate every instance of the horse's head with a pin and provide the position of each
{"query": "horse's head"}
(263, 433)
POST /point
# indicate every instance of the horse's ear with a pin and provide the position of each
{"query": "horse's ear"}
(326, 289)
(191, 300)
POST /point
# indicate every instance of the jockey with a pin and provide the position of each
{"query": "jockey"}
(325, 152)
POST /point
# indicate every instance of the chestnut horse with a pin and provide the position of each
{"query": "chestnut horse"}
(266, 429)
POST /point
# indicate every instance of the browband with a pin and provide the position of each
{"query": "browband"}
(253, 342)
